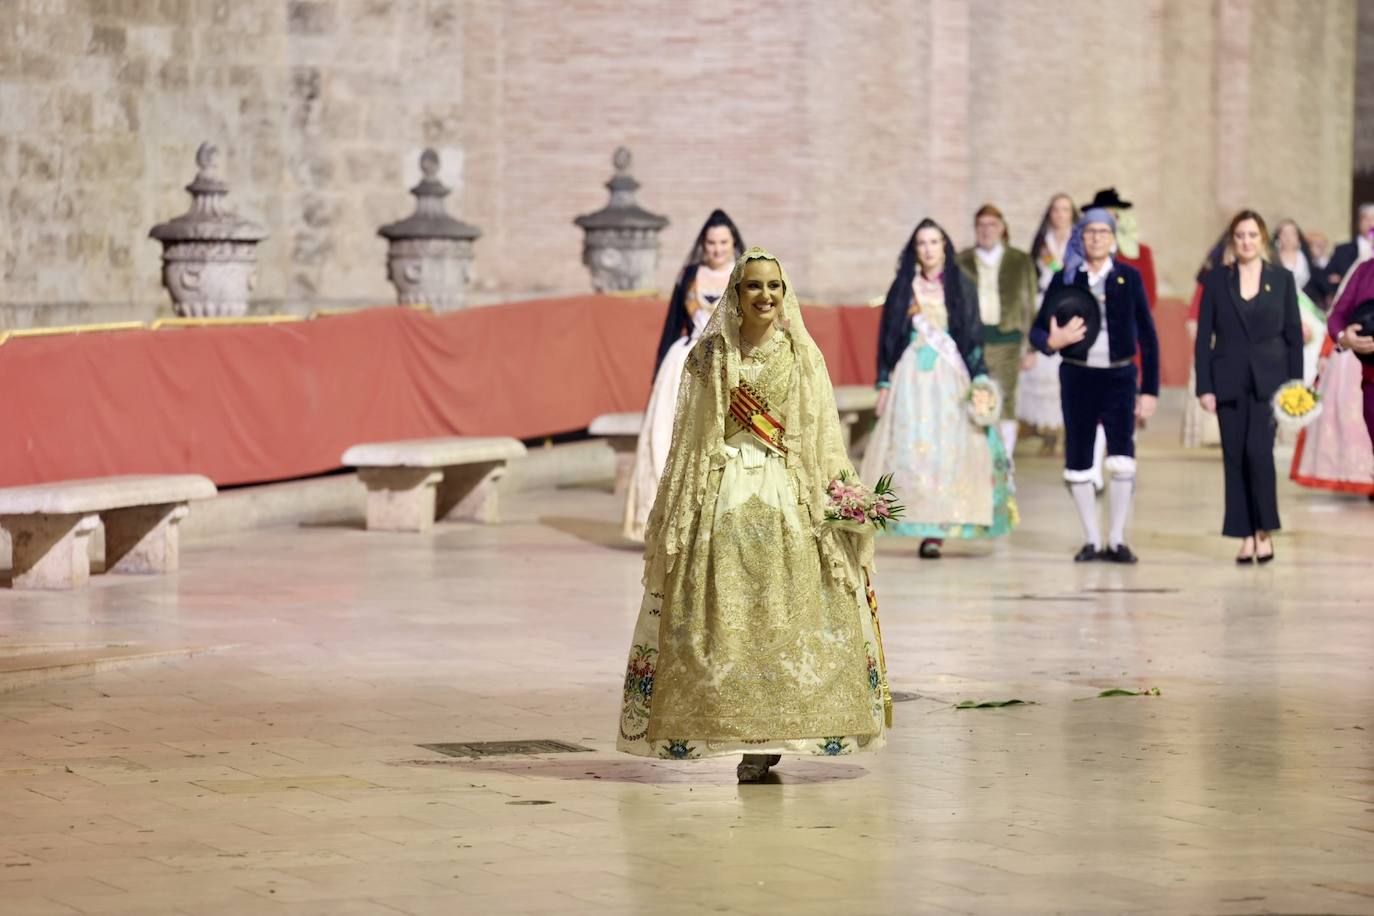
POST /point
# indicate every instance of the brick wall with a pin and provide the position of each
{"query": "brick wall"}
(826, 129)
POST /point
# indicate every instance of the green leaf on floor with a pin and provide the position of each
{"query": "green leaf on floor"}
(991, 704)
(1124, 692)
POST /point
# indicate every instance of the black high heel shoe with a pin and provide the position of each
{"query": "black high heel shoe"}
(1247, 559)
(1264, 558)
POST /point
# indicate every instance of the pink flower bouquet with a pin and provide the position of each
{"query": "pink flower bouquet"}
(854, 507)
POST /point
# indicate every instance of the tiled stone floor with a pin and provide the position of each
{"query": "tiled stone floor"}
(283, 776)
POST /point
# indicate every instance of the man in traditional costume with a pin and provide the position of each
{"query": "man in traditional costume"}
(1098, 377)
(1007, 293)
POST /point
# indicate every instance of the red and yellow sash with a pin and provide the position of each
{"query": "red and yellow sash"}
(752, 413)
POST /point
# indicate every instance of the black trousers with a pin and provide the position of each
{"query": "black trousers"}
(1092, 396)
(1247, 451)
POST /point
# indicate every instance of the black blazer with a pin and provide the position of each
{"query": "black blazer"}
(1129, 322)
(1257, 343)
(1343, 257)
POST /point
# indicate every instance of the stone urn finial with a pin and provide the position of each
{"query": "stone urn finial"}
(620, 246)
(429, 253)
(209, 253)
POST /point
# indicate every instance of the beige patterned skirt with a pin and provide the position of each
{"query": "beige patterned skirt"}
(753, 649)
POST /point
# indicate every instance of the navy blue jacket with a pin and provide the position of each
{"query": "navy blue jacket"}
(1130, 326)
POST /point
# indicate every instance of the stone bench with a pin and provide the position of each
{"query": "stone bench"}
(621, 432)
(412, 482)
(50, 526)
(858, 406)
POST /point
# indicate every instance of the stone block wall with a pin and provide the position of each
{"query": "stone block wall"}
(825, 129)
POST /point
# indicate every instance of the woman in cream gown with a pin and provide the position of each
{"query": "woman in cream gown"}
(757, 632)
(1037, 400)
(953, 476)
(699, 286)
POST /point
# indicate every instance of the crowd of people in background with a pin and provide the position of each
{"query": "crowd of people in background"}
(752, 573)
(981, 346)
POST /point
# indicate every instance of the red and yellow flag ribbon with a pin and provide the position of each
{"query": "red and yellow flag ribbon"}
(753, 415)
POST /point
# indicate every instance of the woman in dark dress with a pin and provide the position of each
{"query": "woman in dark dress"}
(1249, 342)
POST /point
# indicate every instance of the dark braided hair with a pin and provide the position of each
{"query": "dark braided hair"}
(678, 321)
(895, 330)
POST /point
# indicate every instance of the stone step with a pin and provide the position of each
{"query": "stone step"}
(24, 666)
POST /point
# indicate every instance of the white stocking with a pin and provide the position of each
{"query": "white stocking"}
(1085, 500)
(1122, 471)
(1008, 430)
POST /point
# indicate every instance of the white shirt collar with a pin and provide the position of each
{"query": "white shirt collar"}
(1363, 246)
(990, 256)
(1095, 278)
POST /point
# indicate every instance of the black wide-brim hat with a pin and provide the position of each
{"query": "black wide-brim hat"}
(1108, 198)
(1069, 302)
(1363, 315)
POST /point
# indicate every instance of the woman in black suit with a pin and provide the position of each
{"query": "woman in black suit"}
(1249, 342)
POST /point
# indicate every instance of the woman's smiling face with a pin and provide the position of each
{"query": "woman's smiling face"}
(760, 291)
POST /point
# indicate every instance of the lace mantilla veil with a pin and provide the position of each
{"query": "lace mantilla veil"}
(815, 445)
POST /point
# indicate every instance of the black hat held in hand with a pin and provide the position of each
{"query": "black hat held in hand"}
(1070, 302)
(1363, 315)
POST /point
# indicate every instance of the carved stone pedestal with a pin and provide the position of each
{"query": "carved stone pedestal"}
(620, 243)
(429, 253)
(209, 253)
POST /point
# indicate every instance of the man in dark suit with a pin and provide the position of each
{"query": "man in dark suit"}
(1349, 253)
(1100, 385)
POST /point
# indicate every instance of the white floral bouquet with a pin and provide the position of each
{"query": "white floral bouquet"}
(1296, 405)
(984, 401)
(854, 507)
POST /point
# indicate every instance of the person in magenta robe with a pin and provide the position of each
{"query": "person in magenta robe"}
(1358, 288)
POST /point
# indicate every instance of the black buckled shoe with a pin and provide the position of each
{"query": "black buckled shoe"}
(1119, 554)
(1086, 554)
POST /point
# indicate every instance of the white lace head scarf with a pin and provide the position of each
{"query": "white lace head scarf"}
(815, 445)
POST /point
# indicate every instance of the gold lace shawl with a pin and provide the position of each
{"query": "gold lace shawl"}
(815, 447)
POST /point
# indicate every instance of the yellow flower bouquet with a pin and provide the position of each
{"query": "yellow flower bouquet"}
(984, 401)
(1296, 405)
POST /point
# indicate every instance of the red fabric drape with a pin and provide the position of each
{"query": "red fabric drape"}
(271, 402)
(245, 404)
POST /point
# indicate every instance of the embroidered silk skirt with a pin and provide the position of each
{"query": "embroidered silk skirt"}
(655, 437)
(754, 649)
(1334, 452)
(952, 476)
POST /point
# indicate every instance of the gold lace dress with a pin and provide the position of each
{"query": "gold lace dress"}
(758, 651)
